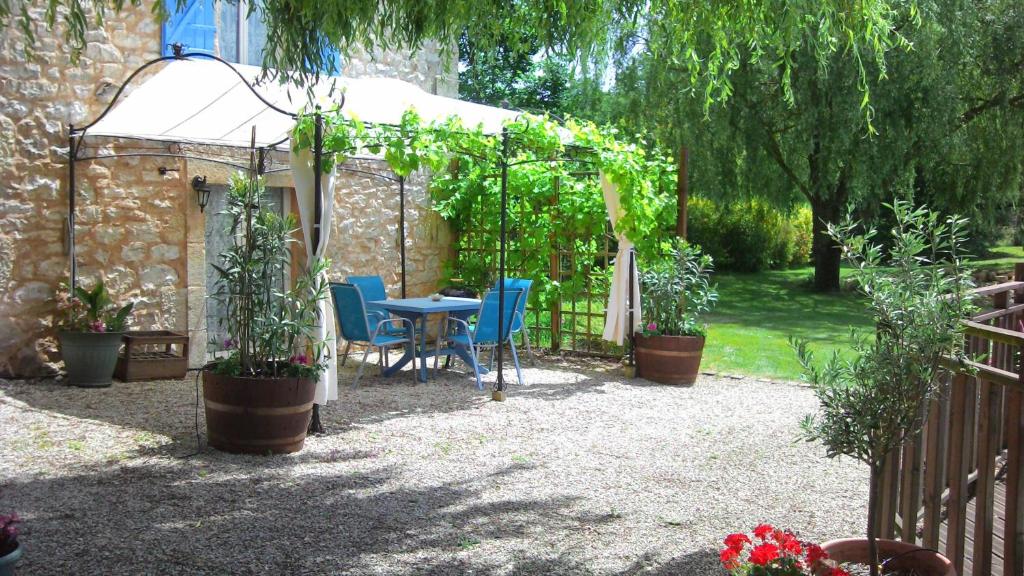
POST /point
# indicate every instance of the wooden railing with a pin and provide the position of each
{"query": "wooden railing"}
(958, 487)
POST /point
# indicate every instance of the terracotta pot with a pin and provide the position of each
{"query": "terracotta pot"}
(257, 415)
(925, 562)
(669, 359)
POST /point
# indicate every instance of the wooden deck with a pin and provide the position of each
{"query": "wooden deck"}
(996, 566)
(944, 478)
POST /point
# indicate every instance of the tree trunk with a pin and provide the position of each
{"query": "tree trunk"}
(824, 251)
(874, 488)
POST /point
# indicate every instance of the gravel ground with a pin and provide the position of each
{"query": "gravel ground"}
(579, 472)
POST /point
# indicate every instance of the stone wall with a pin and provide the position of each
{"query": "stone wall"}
(130, 229)
(142, 230)
(364, 233)
(432, 68)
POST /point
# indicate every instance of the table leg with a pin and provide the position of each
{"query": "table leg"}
(423, 348)
(440, 337)
(410, 350)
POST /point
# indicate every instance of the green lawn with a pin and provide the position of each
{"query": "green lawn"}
(757, 313)
(1000, 258)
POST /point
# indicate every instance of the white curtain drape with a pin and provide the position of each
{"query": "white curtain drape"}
(617, 318)
(305, 194)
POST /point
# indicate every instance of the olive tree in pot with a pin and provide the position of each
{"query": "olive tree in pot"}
(675, 291)
(917, 291)
(90, 334)
(259, 398)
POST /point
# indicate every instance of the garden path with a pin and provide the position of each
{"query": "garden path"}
(579, 472)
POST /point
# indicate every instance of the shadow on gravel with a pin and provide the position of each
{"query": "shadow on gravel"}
(700, 563)
(170, 409)
(203, 517)
(162, 408)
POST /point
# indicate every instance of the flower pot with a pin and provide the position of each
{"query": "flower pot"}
(8, 561)
(669, 359)
(90, 357)
(257, 415)
(855, 550)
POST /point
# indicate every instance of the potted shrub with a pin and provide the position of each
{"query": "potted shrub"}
(917, 291)
(769, 551)
(90, 334)
(675, 291)
(10, 550)
(259, 397)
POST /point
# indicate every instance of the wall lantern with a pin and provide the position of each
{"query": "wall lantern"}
(202, 191)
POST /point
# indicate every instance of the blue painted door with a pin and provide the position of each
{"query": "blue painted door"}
(194, 26)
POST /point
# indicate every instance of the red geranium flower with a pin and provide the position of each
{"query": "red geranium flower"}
(736, 541)
(815, 554)
(790, 544)
(730, 558)
(778, 552)
(838, 572)
(763, 530)
(764, 553)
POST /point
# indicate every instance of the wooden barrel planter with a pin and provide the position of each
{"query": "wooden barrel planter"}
(669, 359)
(257, 415)
(904, 557)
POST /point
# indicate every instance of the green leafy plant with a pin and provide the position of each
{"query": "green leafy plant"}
(91, 310)
(750, 235)
(271, 329)
(675, 290)
(917, 290)
(552, 187)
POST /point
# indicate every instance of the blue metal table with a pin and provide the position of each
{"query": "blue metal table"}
(417, 310)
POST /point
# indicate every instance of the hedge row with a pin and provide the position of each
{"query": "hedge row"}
(751, 235)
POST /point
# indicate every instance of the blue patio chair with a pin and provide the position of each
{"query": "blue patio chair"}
(484, 334)
(519, 322)
(355, 324)
(372, 288)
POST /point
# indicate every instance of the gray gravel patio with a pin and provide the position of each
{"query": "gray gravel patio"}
(579, 472)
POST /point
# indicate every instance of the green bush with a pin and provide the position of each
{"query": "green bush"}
(751, 235)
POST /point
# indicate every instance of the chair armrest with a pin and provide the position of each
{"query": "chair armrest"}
(465, 326)
(412, 326)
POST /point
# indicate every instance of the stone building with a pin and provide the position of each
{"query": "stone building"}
(138, 222)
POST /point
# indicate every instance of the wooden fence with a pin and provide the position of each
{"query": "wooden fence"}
(958, 487)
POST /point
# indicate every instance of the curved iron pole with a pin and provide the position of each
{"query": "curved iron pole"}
(499, 384)
(315, 425)
(99, 157)
(72, 192)
(401, 226)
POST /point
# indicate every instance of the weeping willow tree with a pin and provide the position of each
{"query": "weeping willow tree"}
(938, 122)
(706, 41)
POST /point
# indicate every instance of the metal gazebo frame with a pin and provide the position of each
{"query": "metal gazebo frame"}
(76, 134)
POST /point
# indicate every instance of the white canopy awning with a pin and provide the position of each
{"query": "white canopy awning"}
(203, 102)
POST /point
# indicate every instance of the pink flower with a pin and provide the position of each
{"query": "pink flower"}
(652, 326)
(97, 326)
(229, 343)
(299, 359)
